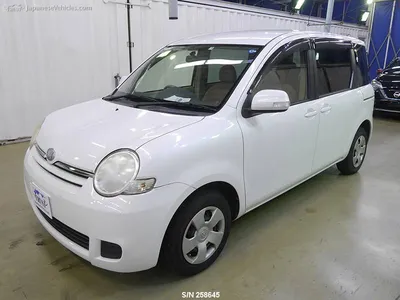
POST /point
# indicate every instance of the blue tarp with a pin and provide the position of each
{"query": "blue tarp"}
(352, 8)
(380, 30)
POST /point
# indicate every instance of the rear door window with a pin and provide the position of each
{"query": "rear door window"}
(334, 73)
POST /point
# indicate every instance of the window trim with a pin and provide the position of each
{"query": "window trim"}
(356, 48)
(334, 93)
(282, 51)
(391, 64)
(312, 65)
(333, 43)
(353, 68)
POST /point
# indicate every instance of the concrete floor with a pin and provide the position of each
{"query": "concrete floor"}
(333, 237)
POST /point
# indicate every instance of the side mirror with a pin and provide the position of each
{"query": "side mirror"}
(266, 101)
(379, 71)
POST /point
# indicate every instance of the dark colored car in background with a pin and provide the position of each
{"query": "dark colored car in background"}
(387, 88)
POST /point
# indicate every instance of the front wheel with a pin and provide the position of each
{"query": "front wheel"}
(355, 158)
(197, 234)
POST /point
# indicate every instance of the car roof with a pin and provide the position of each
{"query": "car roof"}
(257, 37)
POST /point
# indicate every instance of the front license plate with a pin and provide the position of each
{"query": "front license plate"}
(42, 200)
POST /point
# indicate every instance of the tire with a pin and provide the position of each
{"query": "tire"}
(199, 207)
(355, 158)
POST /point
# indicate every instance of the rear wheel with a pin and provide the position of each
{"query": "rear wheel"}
(197, 234)
(355, 158)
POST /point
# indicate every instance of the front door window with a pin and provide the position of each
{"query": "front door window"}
(288, 74)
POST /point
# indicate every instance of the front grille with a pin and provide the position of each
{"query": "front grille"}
(40, 151)
(59, 177)
(61, 170)
(65, 167)
(390, 87)
(71, 234)
(390, 93)
(73, 170)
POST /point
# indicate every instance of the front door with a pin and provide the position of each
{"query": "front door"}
(279, 147)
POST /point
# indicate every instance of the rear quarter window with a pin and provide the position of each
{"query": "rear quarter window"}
(361, 74)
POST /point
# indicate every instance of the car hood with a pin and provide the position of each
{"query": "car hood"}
(82, 135)
(390, 75)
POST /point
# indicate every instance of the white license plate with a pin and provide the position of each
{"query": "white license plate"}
(42, 200)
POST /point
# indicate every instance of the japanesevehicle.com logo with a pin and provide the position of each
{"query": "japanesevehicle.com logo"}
(49, 8)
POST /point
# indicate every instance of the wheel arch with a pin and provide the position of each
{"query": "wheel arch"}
(367, 126)
(225, 188)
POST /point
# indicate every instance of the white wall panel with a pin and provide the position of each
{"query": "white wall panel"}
(50, 60)
(53, 59)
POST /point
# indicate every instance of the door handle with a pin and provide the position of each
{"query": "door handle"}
(326, 108)
(310, 113)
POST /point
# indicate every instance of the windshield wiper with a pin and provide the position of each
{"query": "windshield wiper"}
(179, 105)
(130, 97)
(148, 101)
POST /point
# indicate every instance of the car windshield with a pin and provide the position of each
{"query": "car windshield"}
(395, 63)
(190, 77)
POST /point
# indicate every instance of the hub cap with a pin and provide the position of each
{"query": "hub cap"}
(359, 151)
(203, 235)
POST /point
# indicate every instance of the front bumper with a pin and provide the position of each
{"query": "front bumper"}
(386, 104)
(136, 223)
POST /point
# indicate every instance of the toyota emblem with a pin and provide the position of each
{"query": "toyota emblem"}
(50, 154)
(396, 95)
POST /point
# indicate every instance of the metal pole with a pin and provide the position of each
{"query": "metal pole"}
(329, 12)
(319, 10)
(389, 33)
(344, 11)
(128, 14)
(371, 24)
(173, 9)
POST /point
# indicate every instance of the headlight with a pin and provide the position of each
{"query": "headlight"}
(35, 134)
(376, 85)
(116, 174)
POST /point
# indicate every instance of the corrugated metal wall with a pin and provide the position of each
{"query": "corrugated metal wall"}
(53, 59)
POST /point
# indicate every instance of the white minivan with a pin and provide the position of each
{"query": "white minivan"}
(205, 130)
